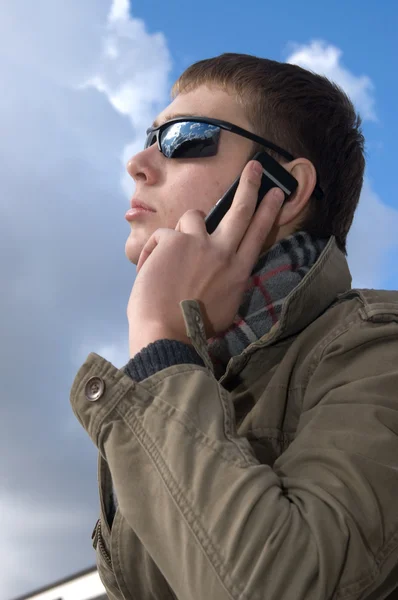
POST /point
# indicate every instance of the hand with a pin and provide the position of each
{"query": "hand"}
(189, 264)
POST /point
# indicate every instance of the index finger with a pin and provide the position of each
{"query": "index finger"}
(235, 222)
(260, 227)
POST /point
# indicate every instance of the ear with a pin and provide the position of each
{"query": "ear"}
(304, 171)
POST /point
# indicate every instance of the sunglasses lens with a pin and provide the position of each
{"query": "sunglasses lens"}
(189, 140)
(150, 139)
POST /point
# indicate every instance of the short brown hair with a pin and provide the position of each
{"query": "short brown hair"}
(305, 114)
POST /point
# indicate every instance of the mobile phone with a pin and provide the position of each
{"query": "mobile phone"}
(274, 175)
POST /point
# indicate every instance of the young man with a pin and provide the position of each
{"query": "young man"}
(249, 448)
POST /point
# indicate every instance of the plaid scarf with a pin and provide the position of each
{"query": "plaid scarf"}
(276, 273)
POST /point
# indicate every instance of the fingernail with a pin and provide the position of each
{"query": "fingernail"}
(278, 195)
(257, 168)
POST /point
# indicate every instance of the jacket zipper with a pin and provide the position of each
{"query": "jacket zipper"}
(98, 540)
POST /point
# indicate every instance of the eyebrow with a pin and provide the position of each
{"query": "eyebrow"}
(175, 116)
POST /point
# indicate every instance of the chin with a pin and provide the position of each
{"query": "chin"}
(133, 249)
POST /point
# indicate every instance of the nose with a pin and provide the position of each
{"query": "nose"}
(143, 166)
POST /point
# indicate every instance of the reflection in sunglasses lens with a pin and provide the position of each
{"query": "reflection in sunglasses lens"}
(190, 140)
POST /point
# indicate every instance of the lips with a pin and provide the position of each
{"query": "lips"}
(139, 204)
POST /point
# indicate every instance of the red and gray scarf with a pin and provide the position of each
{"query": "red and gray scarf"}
(276, 273)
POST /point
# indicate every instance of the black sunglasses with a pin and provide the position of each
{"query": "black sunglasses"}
(198, 137)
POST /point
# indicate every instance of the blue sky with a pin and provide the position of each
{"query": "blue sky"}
(81, 81)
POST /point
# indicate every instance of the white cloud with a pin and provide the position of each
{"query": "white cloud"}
(325, 59)
(133, 76)
(134, 69)
(119, 11)
(62, 223)
(372, 237)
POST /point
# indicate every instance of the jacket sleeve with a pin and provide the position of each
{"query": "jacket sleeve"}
(322, 523)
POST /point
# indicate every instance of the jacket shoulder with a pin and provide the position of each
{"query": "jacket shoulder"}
(374, 305)
(356, 317)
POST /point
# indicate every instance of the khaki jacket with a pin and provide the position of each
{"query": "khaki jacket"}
(277, 482)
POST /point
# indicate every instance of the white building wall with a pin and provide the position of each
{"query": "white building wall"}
(84, 587)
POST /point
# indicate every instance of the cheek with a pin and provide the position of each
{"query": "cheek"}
(196, 192)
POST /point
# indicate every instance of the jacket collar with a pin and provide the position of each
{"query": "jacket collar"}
(329, 277)
(321, 286)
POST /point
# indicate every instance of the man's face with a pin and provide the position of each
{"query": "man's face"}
(172, 186)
